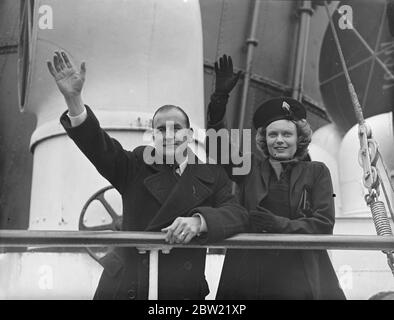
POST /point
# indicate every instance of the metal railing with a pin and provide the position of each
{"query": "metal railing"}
(155, 241)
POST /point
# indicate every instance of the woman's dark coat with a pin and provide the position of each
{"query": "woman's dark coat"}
(243, 274)
(241, 268)
(152, 199)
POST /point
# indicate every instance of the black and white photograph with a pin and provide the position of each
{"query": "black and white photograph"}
(208, 150)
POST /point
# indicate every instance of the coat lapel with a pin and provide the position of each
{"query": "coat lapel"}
(256, 188)
(160, 183)
(193, 187)
(295, 190)
(265, 172)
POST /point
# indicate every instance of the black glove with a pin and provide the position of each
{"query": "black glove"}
(225, 77)
(262, 221)
(217, 107)
(225, 82)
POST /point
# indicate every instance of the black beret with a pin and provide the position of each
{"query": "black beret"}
(278, 109)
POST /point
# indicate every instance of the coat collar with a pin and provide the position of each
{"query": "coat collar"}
(295, 189)
(265, 173)
(177, 199)
(296, 173)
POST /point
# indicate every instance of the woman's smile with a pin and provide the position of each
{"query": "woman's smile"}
(281, 138)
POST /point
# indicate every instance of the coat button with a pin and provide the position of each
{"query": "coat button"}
(131, 294)
(188, 265)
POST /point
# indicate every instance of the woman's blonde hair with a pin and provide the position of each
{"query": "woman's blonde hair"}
(304, 137)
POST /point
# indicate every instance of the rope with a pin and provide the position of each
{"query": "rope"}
(352, 91)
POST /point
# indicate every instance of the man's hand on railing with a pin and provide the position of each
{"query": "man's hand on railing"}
(183, 229)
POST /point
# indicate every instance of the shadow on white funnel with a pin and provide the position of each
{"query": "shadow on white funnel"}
(350, 171)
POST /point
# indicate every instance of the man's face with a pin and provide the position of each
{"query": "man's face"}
(282, 139)
(170, 132)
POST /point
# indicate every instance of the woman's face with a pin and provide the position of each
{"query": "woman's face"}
(282, 139)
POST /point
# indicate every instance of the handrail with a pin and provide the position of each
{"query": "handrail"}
(152, 240)
(155, 241)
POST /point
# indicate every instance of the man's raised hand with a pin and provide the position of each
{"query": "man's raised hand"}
(68, 79)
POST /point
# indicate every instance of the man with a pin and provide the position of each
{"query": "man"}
(192, 201)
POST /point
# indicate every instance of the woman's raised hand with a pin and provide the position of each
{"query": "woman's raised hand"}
(225, 77)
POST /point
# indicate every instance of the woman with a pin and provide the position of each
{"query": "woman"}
(283, 193)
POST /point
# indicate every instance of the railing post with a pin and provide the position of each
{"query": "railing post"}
(153, 274)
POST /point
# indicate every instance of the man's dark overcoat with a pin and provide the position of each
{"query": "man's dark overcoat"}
(153, 197)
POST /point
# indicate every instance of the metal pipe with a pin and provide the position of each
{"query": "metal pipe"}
(306, 12)
(251, 43)
(156, 240)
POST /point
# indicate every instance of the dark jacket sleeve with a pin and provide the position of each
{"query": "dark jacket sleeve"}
(217, 110)
(215, 143)
(105, 153)
(320, 220)
(226, 217)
